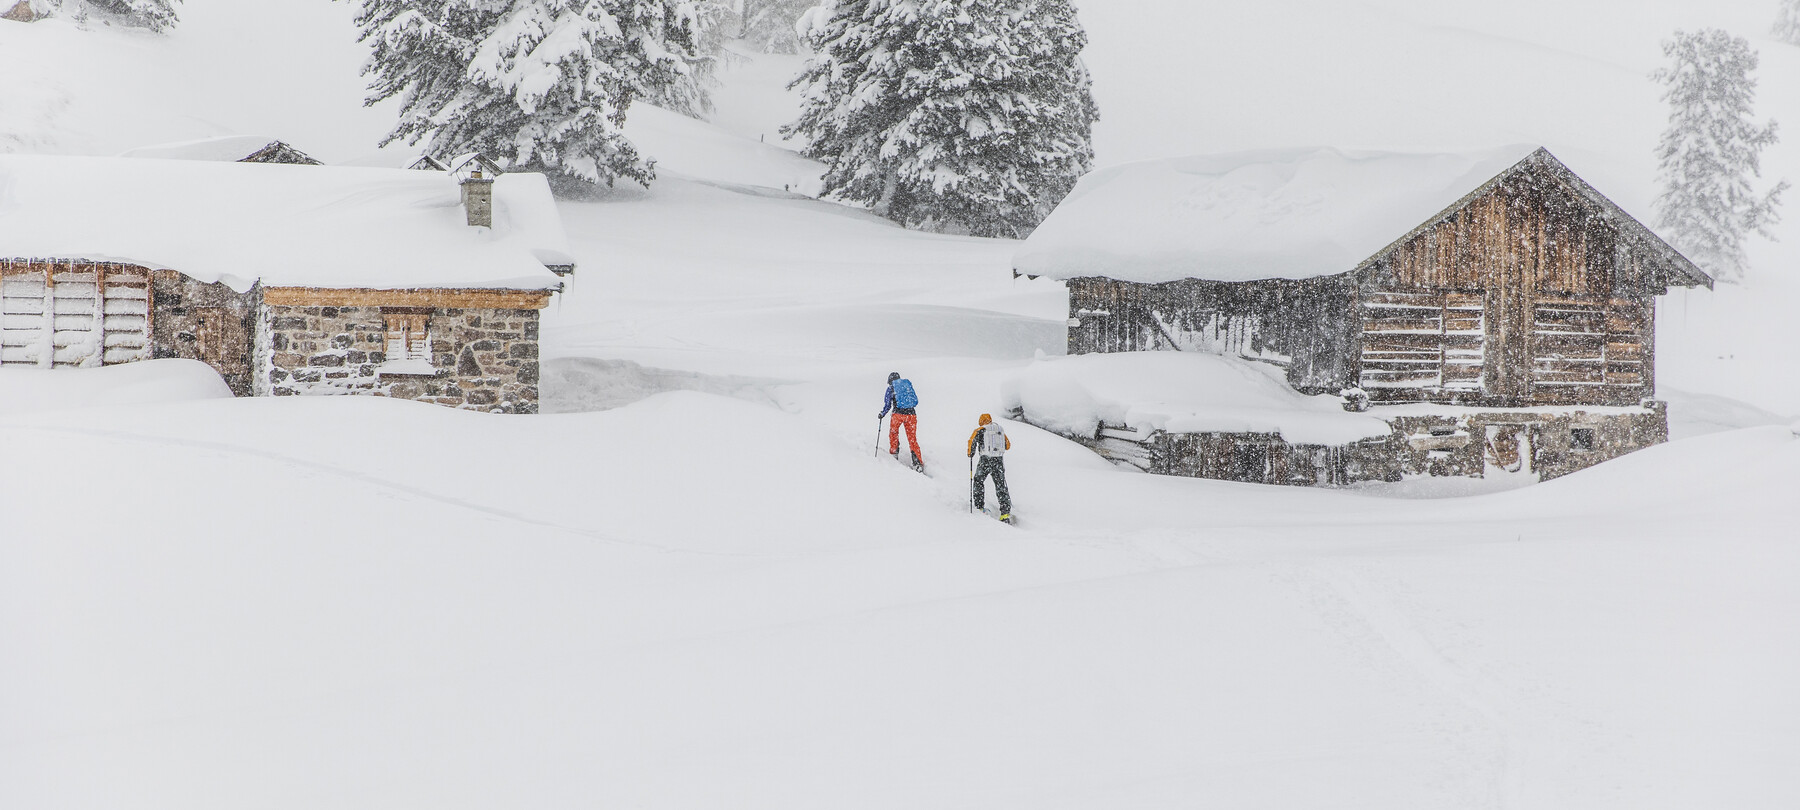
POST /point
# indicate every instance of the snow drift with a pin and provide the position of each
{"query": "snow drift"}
(1179, 392)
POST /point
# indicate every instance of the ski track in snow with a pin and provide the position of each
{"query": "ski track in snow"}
(365, 478)
(1348, 602)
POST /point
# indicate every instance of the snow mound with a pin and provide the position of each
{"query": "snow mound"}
(1179, 392)
(223, 149)
(684, 146)
(301, 226)
(24, 390)
(1299, 213)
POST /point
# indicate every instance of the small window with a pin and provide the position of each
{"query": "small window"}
(1581, 438)
(408, 344)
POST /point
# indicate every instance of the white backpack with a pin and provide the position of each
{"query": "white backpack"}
(993, 439)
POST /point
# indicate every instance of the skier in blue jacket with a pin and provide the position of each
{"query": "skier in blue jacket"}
(902, 400)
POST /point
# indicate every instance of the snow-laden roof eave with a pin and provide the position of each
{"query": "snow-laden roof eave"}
(240, 224)
(1294, 214)
(1686, 273)
(245, 283)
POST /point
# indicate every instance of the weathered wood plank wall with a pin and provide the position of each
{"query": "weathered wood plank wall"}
(1558, 307)
(1304, 326)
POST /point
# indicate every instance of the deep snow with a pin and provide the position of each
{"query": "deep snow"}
(1180, 392)
(282, 225)
(1246, 216)
(700, 587)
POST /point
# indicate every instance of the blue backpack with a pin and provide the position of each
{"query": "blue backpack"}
(904, 397)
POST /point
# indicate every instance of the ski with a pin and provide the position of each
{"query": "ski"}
(1010, 520)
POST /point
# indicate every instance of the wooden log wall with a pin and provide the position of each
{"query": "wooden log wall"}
(1538, 301)
(1529, 294)
(1429, 340)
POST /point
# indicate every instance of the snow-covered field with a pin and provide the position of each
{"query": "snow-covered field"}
(695, 585)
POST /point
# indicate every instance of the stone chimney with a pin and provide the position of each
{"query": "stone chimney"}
(478, 199)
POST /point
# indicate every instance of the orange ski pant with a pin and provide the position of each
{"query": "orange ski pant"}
(911, 421)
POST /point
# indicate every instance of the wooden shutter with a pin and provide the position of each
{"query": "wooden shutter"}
(407, 338)
(73, 314)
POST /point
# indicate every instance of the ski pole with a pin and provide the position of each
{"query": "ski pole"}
(971, 483)
(878, 437)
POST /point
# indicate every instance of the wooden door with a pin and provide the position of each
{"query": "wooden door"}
(221, 341)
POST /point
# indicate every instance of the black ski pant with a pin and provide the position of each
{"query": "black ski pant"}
(995, 466)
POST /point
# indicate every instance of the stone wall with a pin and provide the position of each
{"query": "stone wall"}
(206, 322)
(480, 359)
(1456, 445)
(1450, 443)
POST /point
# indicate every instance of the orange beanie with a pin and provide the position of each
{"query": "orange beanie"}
(985, 419)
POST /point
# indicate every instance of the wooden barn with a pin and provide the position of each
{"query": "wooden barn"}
(286, 279)
(1495, 309)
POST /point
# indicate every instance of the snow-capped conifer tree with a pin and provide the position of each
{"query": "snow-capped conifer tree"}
(1787, 22)
(542, 85)
(1711, 151)
(702, 28)
(959, 114)
(156, 15)
(769, 24)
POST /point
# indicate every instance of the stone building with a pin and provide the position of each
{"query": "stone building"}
(287, 279)
(1494, 308)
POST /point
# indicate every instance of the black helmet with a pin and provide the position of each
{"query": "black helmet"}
(893, 375)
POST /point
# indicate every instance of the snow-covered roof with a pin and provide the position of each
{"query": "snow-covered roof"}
(288, 226)
(1179, 392)
(1296, 213)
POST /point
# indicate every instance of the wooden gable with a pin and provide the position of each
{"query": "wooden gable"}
(1584, 243)
(1533, 289)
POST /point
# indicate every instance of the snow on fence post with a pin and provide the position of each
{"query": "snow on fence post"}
(96, 355)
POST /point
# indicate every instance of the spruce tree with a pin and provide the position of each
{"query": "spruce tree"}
(698, 27)
(968, 115)
(540, 85)
(1711, 152)
(769, 25)
(1787, 22)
